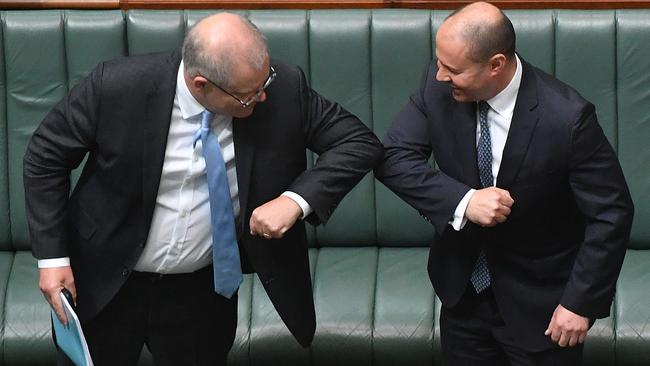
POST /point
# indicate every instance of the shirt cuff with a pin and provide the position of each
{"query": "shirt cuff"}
(459, 219)
(54, 262)
(304, 206)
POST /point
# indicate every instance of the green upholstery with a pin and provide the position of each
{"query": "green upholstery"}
(154, 31)
(5, 240)
(536, 37)
(27, 337)
(632, 304)
(632, 56)
(400, 65)
(403, 310)
(374, 303)
(33, 85)
(585, 58)
(6, 259)
(339, 48)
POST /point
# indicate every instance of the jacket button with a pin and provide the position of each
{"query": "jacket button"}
(141, 244)
(125, 272)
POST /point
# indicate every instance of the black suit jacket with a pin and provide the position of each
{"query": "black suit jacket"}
(120, 116)
(565, 239)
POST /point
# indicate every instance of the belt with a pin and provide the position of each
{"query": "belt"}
(155, 277)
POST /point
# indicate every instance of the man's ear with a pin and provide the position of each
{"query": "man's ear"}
(198, 82)
(497, 63)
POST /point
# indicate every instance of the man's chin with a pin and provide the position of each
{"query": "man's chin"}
(244, 112)
(459, 96)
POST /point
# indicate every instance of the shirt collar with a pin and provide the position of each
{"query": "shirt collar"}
(504, 102)
(189, 106)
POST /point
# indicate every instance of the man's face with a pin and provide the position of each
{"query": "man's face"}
(247, 83)
(470, 81)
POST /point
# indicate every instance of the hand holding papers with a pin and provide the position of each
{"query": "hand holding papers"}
(70, 338)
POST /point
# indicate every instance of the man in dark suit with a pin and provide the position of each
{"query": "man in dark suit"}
(531, 210)
(133, 242)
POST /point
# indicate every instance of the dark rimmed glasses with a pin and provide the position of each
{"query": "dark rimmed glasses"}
(253, 98)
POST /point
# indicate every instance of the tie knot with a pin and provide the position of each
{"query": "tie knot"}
(483, 107)
(206, 119)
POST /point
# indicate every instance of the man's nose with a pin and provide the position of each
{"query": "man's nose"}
(262, 96)
(442, 76)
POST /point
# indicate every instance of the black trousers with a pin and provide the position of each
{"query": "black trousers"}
(473, 333)
(179, 317)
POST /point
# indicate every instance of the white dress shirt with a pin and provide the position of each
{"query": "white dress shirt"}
(180, 236)
(499, 117)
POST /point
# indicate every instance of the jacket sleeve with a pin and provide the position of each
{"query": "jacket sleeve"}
(602, 195)
(406, 169)
(346, 149)
(58, 145)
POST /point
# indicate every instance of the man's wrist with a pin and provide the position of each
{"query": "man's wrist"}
(54, 262)
(459, 220)
(304, 206)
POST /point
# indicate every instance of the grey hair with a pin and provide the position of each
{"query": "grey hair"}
(487, 38)
(218, 66)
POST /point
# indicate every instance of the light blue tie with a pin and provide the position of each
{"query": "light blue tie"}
(225, 252)
(481, 275)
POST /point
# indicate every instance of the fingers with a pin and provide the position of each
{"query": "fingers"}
(51, 281)
(566, 328)
(563, 341)
(274, 218)
(567, 338)
(489, 206)
(73, 291)
(264, 229)
(581, 338)
(504, 197)
(553, 332)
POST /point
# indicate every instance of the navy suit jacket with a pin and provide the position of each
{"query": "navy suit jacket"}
(120, 116)
(566, 236)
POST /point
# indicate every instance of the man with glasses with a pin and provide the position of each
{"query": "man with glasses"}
(133, 242)
(253, 98)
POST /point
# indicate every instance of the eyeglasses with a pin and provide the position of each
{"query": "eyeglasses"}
(255, 97)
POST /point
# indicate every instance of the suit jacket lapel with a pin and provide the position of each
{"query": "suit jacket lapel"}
(465, 120)
(157, 117)
(244, 139)
(524, 120)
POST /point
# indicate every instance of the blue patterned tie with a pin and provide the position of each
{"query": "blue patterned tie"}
(225, 252)
(481, 274)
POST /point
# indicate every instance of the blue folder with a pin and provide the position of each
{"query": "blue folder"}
(70, 338)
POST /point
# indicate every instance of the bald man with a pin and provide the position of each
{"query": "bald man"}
(133, 242)
(529, 204)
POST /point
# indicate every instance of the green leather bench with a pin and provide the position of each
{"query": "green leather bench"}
(374, 302)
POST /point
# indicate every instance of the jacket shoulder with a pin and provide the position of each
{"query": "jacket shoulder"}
(142, 72)
(555, 90)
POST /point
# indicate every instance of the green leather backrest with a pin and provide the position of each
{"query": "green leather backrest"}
(397, 67)
(5, 234)
(36, 79)
(368, 60)
(633, 115)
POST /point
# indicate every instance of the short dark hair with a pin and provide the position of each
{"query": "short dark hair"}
(488, 38)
